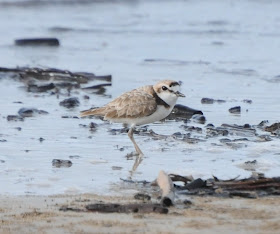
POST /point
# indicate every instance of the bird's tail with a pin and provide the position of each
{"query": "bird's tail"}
(95, 111)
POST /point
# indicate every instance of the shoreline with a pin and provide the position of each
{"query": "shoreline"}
(41, 214)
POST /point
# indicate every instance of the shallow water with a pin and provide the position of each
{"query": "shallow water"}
(223, 50)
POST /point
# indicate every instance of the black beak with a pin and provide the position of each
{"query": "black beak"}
(178, 94)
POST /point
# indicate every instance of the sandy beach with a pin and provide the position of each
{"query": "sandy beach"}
(41, 214)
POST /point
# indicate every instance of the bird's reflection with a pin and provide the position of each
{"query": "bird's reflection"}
(138, 159)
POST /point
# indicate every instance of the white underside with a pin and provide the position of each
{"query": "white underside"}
(158, 115)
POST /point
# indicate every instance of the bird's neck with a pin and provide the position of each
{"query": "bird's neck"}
(160, 101)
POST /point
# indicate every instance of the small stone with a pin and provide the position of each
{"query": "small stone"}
(235, 110)
(247, 126)
(248, 101)
(251, 162)
(264, 138)
(142, 196)
(39, 89)
(61, 163)
(41, 139)
(14, 118)
(225, 140)
(30, 112)
(116, 168)
(220, 101)
(199, 118)
(69, 117)
(70, 102)
(198, 183)
(207, 100)
(93, 126)
(74, 156)
(187, 202)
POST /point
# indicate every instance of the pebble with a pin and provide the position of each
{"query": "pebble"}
(39, 89)
(199, 118)
(14, 118)
(70, 102)
(142, 196)
(93, 126)
(69, 117)
(248, 101)
(116, 168)
(41, 139)
(74, 156)
(235, 110)
(30, 112)
(61, 163)
(211, 101)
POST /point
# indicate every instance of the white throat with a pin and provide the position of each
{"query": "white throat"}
(169, 98)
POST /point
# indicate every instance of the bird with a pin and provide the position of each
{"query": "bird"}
(140, 106)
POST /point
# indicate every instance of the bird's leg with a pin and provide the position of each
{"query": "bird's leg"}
(130, 134)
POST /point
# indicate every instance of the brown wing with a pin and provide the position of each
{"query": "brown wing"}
(134, 104)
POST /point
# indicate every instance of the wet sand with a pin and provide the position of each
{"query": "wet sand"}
(40, 214)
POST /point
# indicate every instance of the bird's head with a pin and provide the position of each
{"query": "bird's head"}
(168, 91)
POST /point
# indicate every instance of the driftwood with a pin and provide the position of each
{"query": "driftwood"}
(266, 183)
(166, 185)
(53, 73)
(127, 208)
(119, 208)
(250, 187)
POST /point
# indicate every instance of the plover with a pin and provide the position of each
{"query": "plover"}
(140, 106)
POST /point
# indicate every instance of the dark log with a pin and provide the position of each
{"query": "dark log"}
(37, 42)
(128, 208)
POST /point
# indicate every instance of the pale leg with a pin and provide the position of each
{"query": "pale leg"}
(130, 134)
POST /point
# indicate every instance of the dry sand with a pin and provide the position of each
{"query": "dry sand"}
(40, 214)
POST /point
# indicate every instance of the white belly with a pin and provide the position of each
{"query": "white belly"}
(158, 115)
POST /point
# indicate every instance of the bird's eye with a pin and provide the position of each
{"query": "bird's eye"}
(164, 88)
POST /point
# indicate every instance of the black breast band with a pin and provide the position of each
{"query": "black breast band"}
(159, 101)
